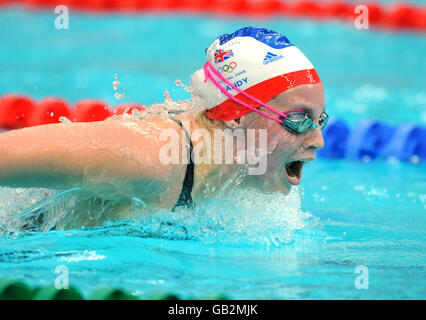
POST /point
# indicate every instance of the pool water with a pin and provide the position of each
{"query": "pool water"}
(346, 217)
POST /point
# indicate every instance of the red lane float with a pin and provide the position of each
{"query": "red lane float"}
(375, 13)
(91, 110)
(19, 111)
(49, 110)
(15, 111)
(394, 16)
(338, 9)
(404, 16)
(266, 7)
(305, 8)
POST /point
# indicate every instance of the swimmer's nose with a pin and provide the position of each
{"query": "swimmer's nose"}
(314, 140)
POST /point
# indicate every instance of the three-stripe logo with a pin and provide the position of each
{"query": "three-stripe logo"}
(271, 57)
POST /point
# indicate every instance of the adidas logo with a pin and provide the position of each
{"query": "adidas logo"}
(271, 57)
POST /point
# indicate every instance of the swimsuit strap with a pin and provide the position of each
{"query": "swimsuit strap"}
(185, 197)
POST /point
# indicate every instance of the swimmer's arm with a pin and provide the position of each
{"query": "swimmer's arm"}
(113, 158)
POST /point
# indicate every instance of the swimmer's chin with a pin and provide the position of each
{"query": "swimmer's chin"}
(281, 186)
(286, 189)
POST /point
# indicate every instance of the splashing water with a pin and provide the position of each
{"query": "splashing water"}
(179, 83)
(64, 120)
(241, 217)
(168, 109)
(167, 97)
(119, 95)
(116, 85)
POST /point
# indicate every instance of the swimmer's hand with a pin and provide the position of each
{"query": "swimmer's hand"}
(112, 159)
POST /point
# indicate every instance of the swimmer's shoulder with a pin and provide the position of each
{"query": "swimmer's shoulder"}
(150, 124)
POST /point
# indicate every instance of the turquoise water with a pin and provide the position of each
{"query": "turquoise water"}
(304, 246)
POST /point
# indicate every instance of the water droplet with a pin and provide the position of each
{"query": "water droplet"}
(366, 159)
(180, 84)
(393, 160)
(135, 112)
(119, 95)
(116, 84)
(64, 120)
(52, 114)
(167, 97)
(115, 76)
(414, 159)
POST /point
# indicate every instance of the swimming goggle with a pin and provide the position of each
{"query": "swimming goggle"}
(300, 122)
(296, 121)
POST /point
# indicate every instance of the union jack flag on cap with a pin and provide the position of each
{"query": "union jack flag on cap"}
(221, 55)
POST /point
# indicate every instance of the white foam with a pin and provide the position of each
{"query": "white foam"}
(240, 217)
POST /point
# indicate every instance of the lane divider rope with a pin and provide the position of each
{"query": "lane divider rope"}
(367, 141)
(397, 16)
(11, 289)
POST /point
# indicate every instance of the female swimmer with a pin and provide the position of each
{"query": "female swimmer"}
(255, 85)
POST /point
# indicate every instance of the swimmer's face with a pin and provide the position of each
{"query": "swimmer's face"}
(289, 152)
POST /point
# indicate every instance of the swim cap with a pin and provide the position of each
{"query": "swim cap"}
(258, 61)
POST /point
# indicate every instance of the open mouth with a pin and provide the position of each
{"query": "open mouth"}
(293, 172)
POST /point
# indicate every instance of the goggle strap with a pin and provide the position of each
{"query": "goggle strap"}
(244, 93)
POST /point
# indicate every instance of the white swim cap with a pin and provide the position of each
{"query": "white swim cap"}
(261, 62)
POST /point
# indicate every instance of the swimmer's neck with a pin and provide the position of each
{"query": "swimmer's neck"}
(212, 178)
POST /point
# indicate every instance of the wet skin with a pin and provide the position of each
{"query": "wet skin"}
(283, 147)
(116, 160)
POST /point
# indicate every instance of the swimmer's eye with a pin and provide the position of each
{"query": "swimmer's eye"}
(323, 119)
(297, 116)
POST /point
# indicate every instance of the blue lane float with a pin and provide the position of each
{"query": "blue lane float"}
(408, 143)
(372, 139)
(335, 134)
(367, 139)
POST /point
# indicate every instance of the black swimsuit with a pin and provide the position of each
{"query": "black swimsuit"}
(185, 198)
